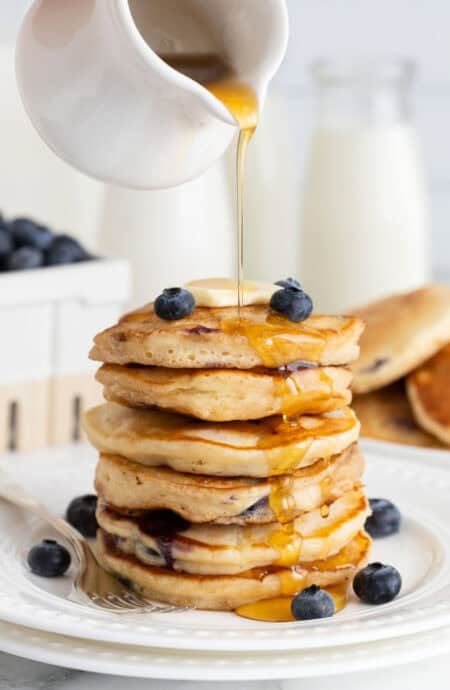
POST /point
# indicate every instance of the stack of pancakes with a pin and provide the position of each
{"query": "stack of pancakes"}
(402, 377)
(229, 469)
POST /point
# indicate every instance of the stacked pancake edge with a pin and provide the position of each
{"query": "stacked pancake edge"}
(229, 469)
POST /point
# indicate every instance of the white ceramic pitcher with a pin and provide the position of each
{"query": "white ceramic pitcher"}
(95, 89)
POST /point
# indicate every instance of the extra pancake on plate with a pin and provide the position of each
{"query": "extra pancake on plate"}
(222, 395)
(132, 488)
(259, 448)
(428, 390)
(166, 540)
(228, 592)
(401, 333)
(217, 338)
(386, 415)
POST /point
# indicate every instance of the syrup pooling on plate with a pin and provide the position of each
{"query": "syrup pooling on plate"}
(241, 101)
(278, 609)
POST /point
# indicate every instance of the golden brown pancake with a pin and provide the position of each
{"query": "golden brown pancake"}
(227, 592)
(386, 415)
(217, 338)
(401, 333)
(162, 539)
(132, 488)
(429, 394)
(223, 395)
(260, 448)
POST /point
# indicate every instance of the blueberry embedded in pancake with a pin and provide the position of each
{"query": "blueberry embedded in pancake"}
(207, 549)
(133, 488)
(228, 592)
(402, 332)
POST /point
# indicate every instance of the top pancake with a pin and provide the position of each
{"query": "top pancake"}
(215, 337)
(428, 392)
(402, 332)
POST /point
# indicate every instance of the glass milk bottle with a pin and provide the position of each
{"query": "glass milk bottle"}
(365, 225)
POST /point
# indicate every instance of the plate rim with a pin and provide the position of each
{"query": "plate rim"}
(70, 652)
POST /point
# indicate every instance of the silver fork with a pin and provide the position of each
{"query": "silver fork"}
(92, 585)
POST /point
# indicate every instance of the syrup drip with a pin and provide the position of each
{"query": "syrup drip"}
(277, 340)
(242, 103)
(293, 580)
(271, 433)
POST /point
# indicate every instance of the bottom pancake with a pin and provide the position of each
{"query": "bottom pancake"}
(386, 415)
(428, 392)
(225, 593)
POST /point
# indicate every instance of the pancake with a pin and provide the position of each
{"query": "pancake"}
(250, 449)
(428, 391)
(216, 338)
(224, 593)
(162, 539)
(401, 333)
(386, 415)
(132, 488)
(223, 395)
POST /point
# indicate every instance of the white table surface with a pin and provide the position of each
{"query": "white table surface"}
(19, 674)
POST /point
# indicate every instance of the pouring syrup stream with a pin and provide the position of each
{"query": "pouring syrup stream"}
(241, 101)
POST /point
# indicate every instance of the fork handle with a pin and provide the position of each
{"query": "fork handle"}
(14, 494)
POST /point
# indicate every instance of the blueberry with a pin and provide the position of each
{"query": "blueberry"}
(289, 283)
(293, 303)
(24, 258)
(312, 602)
(174, 303)
(385, 518)
(65, 250)
(27, 233)
(377, 583)
(6, 242)
(48, 559)
(81, 514)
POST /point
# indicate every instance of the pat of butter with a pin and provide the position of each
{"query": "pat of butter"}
(223, 292)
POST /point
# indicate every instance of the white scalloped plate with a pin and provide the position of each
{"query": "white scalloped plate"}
(142, 662)
(421, 552)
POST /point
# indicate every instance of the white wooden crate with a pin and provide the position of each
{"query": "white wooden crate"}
(48, 318)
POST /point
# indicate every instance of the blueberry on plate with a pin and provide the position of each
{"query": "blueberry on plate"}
(385, 518)
(65, 250)
(174, 303)
(48, 559)
(293, 303)
(27, 233)
(6, 242)
(81, 514)
(312, 602)
(23, 259)
(289, 283)
(377, 583)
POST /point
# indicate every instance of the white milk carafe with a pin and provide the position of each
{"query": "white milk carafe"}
(96, 90)
(365, 225)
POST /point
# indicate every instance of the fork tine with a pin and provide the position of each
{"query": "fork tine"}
(99, 601)
(131, 602)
